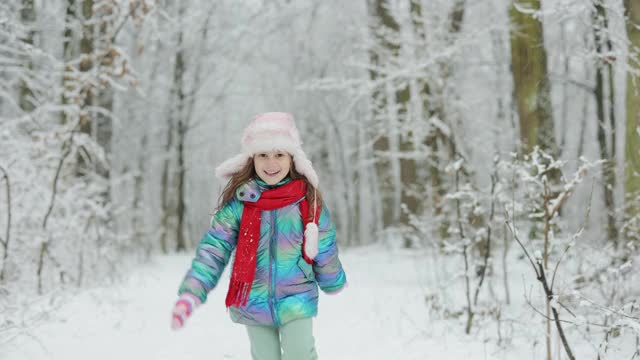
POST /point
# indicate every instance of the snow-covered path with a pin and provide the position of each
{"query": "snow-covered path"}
(381, 315)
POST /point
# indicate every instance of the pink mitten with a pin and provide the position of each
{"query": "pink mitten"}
(183, 309)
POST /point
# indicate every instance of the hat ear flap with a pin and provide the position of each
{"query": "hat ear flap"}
(231, 166)
(304, 167)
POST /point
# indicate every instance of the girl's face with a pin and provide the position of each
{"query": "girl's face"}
(272, 166)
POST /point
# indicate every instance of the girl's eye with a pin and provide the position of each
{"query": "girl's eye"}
(262, 155)
(279, 155)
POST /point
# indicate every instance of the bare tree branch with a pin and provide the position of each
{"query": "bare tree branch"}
(556, 317)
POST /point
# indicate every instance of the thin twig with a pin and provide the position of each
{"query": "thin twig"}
(566, 308)
(124, 21)
(489, 227)
(563, 197)
(543, 315)
(602, 307)
(66, 146)
(515, 236)
(636, 354)
(555, 270)
(466, 262)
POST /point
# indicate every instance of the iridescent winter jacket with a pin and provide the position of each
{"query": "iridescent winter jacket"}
(285, 287)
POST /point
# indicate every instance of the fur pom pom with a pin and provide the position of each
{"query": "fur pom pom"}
(311, 240)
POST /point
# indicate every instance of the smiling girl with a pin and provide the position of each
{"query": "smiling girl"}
(272, 214)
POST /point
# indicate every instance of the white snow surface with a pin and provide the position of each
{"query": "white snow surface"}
(382, 314)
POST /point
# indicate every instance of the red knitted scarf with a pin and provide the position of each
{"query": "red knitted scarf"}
(244, 266)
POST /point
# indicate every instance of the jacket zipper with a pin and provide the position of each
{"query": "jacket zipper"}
(272, 269)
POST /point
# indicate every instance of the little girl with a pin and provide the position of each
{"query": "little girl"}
(272, 213)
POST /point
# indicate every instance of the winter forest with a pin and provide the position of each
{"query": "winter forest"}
(481, 160)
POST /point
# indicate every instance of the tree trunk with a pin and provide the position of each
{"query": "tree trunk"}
(180, 211)
(392, 124)
(586, 101)
(102, 125)
(68, 52)
(369, 210)
(455, 18)
(165, 182)
(173, 206)
(381, 110)
(531, 81)
(95, 37)
(28, 19)
(600, 32)
(632, 146)
(86, 60)
(349, 178)
(7, 236)
(86, 94)
(533, 93)
(138, 205)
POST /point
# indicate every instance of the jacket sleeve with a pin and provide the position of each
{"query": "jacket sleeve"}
(327, 267)
(213, 252)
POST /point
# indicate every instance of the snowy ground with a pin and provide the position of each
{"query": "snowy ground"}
(382, 315)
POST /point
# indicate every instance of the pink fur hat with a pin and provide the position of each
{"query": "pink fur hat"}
(267, 132)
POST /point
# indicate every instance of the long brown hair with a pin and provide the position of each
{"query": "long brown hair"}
(248, 172)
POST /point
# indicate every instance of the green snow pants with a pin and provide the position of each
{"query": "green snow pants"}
(291, 341)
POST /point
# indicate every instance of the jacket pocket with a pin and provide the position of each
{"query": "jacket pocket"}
(306, 269)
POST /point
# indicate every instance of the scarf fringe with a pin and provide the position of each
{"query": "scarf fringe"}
(238, 294)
